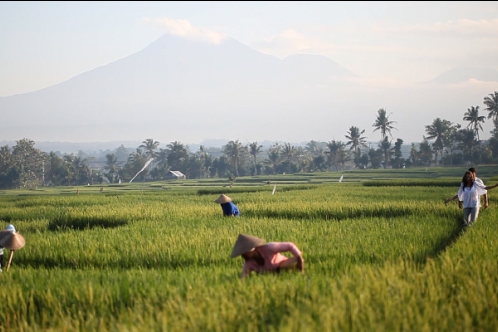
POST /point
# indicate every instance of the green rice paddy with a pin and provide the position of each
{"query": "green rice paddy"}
(382, 253)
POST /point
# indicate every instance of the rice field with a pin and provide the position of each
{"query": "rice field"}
(155, 257)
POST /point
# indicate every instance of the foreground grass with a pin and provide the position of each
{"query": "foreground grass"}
(377, 259)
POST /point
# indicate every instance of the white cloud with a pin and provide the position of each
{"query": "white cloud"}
(288, 42)
(183, 28)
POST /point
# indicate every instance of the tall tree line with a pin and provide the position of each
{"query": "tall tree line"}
(444, 142)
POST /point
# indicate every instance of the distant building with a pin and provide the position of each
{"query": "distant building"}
(174, 175)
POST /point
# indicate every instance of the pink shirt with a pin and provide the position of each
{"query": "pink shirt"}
(271, 254)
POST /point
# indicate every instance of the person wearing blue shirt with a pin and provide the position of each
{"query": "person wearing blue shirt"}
(229, 209)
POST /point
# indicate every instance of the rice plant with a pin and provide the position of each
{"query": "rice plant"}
(377, 258)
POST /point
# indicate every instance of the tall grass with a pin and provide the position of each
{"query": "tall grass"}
(376, 259)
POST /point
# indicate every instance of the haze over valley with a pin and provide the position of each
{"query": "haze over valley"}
(200, 86)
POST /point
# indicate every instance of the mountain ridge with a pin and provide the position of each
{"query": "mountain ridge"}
(177, 89)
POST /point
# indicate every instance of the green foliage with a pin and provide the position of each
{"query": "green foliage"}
(141, 258)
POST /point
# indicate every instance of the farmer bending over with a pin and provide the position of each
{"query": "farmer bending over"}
(266, 258)
(229, 209)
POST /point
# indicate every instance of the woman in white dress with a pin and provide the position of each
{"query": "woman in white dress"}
(469, 194)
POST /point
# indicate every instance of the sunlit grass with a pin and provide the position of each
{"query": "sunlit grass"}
(376, 258)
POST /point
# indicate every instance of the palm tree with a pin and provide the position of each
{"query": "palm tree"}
(68, 168)
(472, 115)
(177, 155)
(162, 158)
(111, 165)
(439, 130)
(356, 141)
(304, 159)
(334, 148)
(288, 152)
(136, 161)
(273, 157)
(491, 103)
(150, 147)
(254, 150)
(201, 157)
(317, 151)
(80, 170)
(314, 148)
(383, 124)
(234, 152)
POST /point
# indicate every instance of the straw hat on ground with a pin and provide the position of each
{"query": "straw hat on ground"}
(244, 244)
(223, 199)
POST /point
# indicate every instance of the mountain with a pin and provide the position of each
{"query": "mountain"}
(465, 73)
(172, 82)
(189, 91)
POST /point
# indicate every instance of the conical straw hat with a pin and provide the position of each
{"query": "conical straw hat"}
(12, 241)
(223, 199)
(244, 244)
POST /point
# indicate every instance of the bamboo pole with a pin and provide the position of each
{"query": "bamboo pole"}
(11, 254)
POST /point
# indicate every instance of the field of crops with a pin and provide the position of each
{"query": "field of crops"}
(382, 253)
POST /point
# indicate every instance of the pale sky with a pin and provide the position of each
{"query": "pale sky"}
(387, 43)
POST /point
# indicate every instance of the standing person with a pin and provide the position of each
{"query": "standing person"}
(469, 194)
(229, 209)
(266, 258)
(478, 181)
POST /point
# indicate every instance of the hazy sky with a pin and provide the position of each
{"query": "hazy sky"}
(45, 43)
(390, 43)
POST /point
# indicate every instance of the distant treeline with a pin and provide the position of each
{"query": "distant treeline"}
(445, 143)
